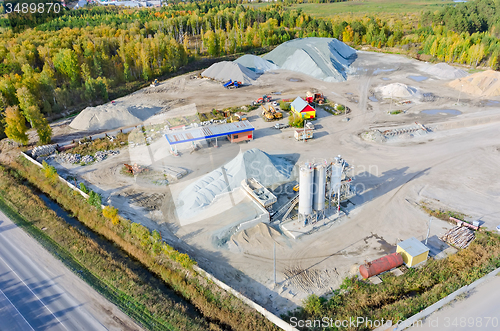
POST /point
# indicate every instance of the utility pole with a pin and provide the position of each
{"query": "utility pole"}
(428, 230)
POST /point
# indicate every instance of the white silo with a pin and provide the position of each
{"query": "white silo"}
(336, 177)
(306, 189)
(319, 186)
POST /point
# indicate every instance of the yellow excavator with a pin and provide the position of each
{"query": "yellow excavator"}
(296, 188)
(155, 83)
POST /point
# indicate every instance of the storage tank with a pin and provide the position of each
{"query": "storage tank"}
(336, 177)
(306, 178)
(378, 266)
(319, 186)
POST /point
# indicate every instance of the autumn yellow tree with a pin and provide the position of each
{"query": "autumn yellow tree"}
(16, 125)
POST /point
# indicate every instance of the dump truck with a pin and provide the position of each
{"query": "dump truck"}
(232, 84)
(263, 99)
(303, 134)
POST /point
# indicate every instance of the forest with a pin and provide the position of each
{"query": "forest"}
(75, 60)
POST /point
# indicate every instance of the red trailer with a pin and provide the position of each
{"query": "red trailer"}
(378, 266)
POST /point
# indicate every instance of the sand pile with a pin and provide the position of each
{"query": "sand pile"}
(485, 83)
(258, 238)
(323, 58)
(112, 116)
(268, 170)
(226, 70)
(443, 71)
(256, 63)
(399, 90)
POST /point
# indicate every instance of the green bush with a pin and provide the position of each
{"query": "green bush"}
(285, 105)
(95, 199)
(84, 188)
(295, 120)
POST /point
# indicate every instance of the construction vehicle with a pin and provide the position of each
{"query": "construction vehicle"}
(241, 116)
(262, 100)
(303, 134)
(296, 188)
(277, 115)
(268, 116)
(232, 84)
(155, 83)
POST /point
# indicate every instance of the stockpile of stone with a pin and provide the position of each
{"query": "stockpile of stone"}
(43, 150)
(77, 158)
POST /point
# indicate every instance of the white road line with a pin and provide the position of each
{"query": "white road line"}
(34, 293)
(16, 309)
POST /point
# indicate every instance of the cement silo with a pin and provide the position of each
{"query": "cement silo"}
(306, 179)
(319, 186)
(336, 177)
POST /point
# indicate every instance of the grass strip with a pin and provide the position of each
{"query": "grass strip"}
(103, 271)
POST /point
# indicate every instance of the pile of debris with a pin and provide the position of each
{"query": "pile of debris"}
(77, 158)
(43, 150)
(459, 236)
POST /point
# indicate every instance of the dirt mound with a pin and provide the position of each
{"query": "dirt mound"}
(399, 90)
(323, 58)
(259, 237)
(267, 169)
(485, 83)
(226, 70)
(256, 63)
(443, 71)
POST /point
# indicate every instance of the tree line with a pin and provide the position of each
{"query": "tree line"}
(77, 58)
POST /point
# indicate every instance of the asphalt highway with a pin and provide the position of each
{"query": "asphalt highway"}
(37, 294)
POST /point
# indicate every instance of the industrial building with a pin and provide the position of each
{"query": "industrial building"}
(302, 108)
(412, 251)
(235, 132)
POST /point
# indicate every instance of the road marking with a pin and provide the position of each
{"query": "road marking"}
(34, 294)
(16, 309)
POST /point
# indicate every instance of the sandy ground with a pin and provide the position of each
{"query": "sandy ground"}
(453, 168)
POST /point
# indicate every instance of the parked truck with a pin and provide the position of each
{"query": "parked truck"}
(303, 134)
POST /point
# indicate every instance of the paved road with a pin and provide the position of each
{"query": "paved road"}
(37, 294)
(478, 311)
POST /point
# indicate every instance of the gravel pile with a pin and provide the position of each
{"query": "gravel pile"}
(327, 59)
(268, 170)
(399, 90)
(443, 71)
(226, 70)
(256, 63)
(69, 158)
(43, 150)
(484, 83)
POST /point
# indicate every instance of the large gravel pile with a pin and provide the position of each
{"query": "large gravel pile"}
(323, 58)
(268, 170)
(226, 70)
(443, 71)
(399, 90)
(43, 150)
(485, 83)
(113, 115)
(256, 63)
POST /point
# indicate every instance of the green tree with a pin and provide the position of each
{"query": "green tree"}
(66, 62)
(15, 125)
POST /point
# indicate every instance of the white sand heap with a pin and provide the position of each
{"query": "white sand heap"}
(256, 63)
(443, 71)
(268, 170)
(323, 58)
(399, 90)
(112, 116)
(226, 70)
(485, 83)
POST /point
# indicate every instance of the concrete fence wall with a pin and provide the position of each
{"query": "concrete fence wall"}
(270, 316)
